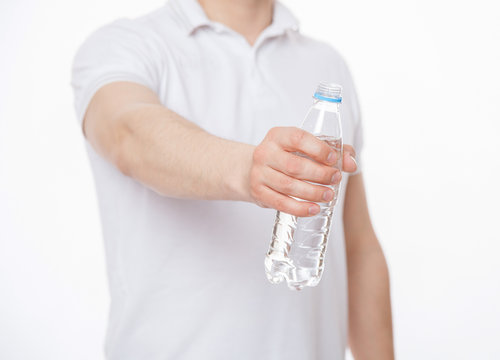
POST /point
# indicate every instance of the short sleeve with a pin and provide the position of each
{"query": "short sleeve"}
(352, 109)
(120, 51)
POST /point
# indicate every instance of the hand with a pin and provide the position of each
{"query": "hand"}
(277, 173)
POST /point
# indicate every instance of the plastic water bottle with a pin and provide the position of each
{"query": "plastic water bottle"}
(297, 250)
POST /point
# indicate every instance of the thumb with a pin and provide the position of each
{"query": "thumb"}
(349, 160)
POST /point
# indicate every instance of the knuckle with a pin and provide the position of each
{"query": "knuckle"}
(302, 210)
(312, 193)
(286, 184)
(297, 137)
(273, 133)
(254, 191)
(293, 165)
(257, 194)
(350, 149)
(279, 204)
(325, 174)
(259, 154)
(322, 174)
(317, 193)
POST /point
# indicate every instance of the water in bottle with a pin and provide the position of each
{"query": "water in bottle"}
(297, 250)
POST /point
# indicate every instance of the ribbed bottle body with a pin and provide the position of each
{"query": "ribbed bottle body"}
(297, 250)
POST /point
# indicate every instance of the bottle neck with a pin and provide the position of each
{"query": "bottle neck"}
(326, 105)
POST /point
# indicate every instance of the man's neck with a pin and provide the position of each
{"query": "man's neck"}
(247, 17)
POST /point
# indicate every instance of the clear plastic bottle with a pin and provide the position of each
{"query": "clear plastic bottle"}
(297, 250)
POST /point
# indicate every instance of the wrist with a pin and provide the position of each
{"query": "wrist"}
(238, 165)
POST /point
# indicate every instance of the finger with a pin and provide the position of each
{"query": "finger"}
(288, 205)
(349, 149)
(302, 168)
(287, 185)
(295, 139)
(349, 161)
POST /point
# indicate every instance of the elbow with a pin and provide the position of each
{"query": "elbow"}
(122, 163)
(121, 152)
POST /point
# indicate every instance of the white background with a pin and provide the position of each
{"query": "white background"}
(427, 76)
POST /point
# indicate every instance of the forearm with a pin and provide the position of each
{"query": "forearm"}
(370, 319)
(127, 125)
(175, 157)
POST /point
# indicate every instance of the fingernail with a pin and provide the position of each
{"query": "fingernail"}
(328, 195)
(331, 157)
(313, 210)
(336, 177)
(353, 159)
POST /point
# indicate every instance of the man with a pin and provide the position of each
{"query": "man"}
(189, 113)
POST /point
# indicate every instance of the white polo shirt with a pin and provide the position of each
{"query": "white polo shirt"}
(187, 276)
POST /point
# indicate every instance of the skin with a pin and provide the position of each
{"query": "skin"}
(247, 17)
(126, 124)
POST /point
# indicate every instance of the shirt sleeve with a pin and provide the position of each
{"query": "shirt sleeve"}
(352, 109)
(119, 51)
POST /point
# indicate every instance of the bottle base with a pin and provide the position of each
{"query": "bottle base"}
(278, 271)
(300, 278)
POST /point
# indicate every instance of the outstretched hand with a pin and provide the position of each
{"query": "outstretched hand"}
(278, 173)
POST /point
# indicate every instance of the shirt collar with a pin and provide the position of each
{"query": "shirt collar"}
(193, 17)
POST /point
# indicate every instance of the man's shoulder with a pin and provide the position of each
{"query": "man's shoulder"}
(155, 26)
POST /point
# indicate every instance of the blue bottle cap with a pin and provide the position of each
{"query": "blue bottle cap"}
(328, 92)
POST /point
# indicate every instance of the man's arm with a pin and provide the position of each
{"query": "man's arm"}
(370, 319)
(126, 124)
